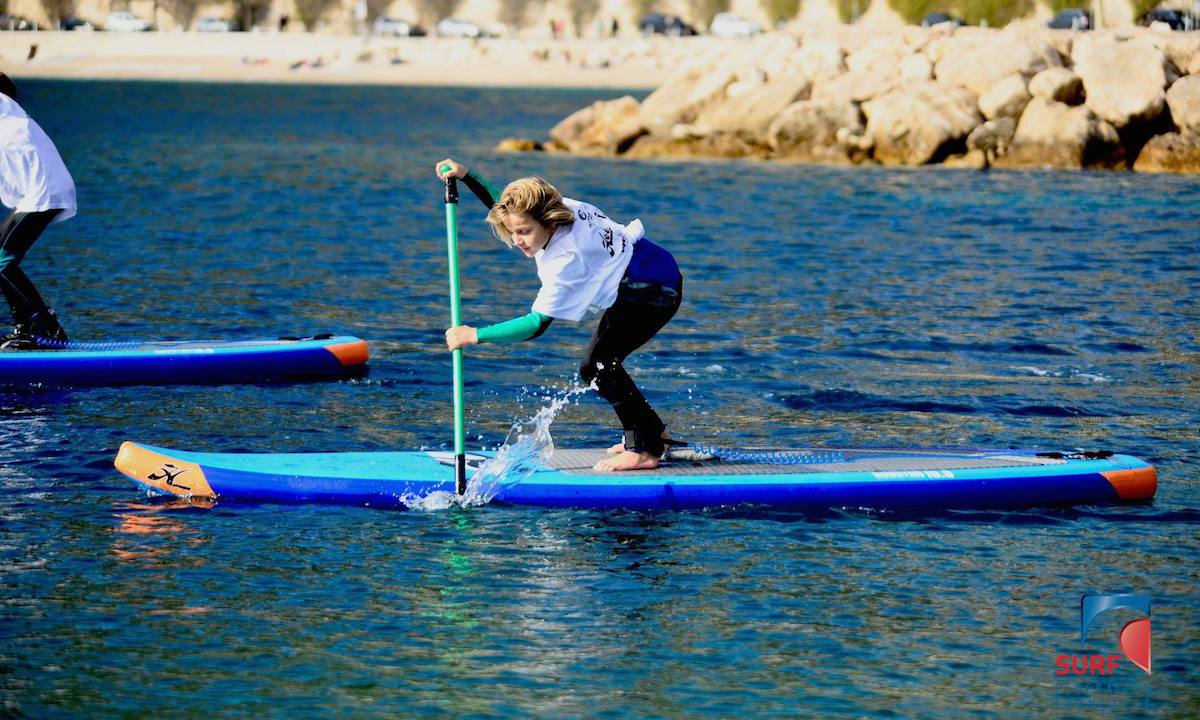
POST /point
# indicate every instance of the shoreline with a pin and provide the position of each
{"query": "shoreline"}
(1024, 96)
(635, 64)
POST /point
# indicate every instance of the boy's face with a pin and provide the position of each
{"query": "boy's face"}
(527, 234)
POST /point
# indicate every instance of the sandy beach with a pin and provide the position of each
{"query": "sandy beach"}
(313, 58)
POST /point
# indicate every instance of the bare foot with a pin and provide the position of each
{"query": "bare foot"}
(627, 460)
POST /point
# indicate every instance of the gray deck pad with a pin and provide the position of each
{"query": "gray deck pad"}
(580, 462)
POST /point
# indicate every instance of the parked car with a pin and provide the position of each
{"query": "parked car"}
(941, 18)
(125, 21)
(76, 24)
(727, 24)
(1169, 19)
(671, 25)
(1071, 19)
(15, 22)
(455, 28)
(396, 28)
(213, 24)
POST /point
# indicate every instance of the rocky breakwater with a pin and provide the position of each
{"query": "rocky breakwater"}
(1023, 96)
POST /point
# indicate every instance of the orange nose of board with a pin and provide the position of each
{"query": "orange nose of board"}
(164, 473)
(1135, 484)
(350, 354)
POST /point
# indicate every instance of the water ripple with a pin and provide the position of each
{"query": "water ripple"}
(828, 306)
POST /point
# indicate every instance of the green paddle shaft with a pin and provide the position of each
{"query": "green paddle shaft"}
(460, 458)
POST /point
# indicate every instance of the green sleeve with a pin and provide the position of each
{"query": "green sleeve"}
(526, 327)
(487, 193)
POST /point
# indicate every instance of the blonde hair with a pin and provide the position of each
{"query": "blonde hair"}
(530, 196)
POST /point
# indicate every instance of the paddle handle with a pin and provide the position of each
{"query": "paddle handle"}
(460, 458)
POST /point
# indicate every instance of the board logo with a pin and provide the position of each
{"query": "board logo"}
(168, 472)
(1134, 638)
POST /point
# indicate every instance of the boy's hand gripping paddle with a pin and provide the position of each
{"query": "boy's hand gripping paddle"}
(460, 458)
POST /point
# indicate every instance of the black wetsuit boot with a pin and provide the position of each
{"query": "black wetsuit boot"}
(41, 330)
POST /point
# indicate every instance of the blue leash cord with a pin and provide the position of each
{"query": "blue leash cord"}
(770, 457)
(51, 344)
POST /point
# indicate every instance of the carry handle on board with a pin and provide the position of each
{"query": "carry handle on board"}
(460, 457)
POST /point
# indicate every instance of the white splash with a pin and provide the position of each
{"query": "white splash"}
(527, 448)
(1031, 370)
(1065, 373)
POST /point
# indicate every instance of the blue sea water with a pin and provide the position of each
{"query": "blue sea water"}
(824, 306)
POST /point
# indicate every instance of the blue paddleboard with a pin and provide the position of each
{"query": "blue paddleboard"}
(923, 479)
(185, 362)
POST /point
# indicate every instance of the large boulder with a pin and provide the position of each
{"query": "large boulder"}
(993, 138)
(915, 68)
(682, 96)
(1006, 98)
(979, 61)
(808, 130)
(921, 122)
(1062, 41)
(773, 53)
(1170, 153)
(820, 60)
(881, 56)
(1179, 48)
(854, 87)
(1059, 84)
(1125, 80)
(1051, 134)
(606, 127)
(750, 111)
(684, 145)
(708, 80)
(518, 145)
(1184, 100)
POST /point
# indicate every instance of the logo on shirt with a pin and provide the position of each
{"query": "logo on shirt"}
(606, 239)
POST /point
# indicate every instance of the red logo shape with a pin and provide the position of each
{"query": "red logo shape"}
(1135, 642)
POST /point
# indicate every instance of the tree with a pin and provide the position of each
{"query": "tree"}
(1059, 5)
(582, 11)
(376, 8)
(641, 8)
(997, 12)
(705, 10)
(512, 12)
(251, 12)
(1141, 7)
(433, 10)
(309, 12)
(184, 11)
(913, 10)
(851, 10)
(780, 10)
(56, 10)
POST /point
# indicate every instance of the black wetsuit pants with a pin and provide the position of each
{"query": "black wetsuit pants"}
(638, 313)
(17, 235)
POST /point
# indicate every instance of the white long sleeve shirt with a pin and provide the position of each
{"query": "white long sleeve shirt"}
(33, 176)
(582, 265)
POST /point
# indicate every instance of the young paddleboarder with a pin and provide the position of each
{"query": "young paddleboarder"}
(35, 184)
(587, 263)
